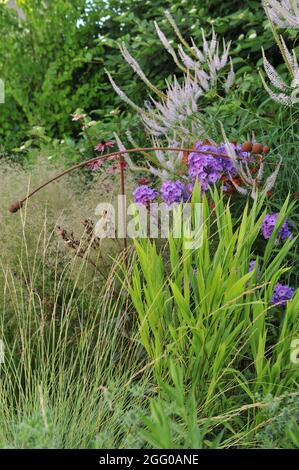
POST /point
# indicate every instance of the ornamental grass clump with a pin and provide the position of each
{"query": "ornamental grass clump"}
(67, 204)
(206, 320)
(208, 309)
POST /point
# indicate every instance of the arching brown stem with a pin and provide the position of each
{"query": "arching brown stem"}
(119, 154)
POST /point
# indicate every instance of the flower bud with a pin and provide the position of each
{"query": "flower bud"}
(247, 147)
(257, 148)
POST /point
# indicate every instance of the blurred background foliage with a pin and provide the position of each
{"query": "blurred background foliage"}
(53, 61)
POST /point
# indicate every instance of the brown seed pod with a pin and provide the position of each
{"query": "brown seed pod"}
(257, 148)
(266, 149)
(15, 207)
(247, 147)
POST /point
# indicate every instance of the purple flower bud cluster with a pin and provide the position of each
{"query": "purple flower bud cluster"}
(268, 227)
(144, 195)
(208, 169)
(282, 293)
(172, 191)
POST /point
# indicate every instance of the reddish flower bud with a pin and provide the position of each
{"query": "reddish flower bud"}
(247, 147)
(266, 149)
(257, 148)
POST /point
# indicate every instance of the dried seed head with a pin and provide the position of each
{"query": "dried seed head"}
(257, 148)
(266, 149)
(15, 207)
(247, 147)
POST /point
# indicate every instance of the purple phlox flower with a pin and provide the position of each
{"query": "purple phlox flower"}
(200, 145)
(172, 191)
(144, 195)
(268, 227)
(188, 190)
(202, 183)
(196, 162)
(282, 293)
(203, 166)
(210, 168)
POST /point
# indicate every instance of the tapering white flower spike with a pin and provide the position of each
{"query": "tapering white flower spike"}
(288, 94)
(137, 69)
(283, 13)
(122, 95)
(230, 78)
(177, 111)
(181, 103)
